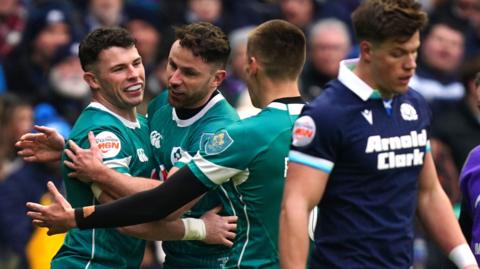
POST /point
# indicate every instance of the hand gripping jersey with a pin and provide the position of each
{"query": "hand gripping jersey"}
(125, 148)
(247, 161)
(470, 187)
(373, 151)
(174, 141)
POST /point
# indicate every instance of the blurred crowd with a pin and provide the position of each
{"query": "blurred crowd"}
(41, 82)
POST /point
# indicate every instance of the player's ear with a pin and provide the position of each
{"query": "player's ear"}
(366, 50)
(252, 65)
(218, 78)
(91, 80)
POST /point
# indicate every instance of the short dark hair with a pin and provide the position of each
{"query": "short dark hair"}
(101, 39)
(381, 20)
(205, 40)
(280, 47)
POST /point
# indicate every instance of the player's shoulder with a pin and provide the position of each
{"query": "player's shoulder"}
(157, 102)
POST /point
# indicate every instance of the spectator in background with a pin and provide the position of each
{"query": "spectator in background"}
(29, 246)
(215, 12)
(441, 55)
(49, 27)
(69, 92)
(12, 23)
(145, 24)
(103, 13)
(459, 126)
(329, 43)
(304, 13)
(234, 88)
(16, 117)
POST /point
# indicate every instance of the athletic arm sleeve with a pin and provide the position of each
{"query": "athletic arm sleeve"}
(145, 206)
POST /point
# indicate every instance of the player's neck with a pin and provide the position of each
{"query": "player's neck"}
(126, 113)
(273, 90)
(364, 72)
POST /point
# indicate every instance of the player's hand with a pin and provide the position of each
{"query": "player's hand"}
(45, 146)
(58, 217)
(220, 229)
(473, 266)
(86, 163)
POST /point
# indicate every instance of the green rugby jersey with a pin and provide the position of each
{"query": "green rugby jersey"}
(253, 153)
(174, 141)
(125, 148)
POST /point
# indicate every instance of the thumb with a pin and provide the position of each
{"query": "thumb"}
(216, 209)
(57, 196)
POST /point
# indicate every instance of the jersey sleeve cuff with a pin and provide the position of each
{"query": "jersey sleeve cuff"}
(311, 161)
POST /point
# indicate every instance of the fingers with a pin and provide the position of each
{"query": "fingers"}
(216, 209)
(36, 216)
(57, 195)
(230, 219)
(44, 129)
(228, 243)
(36, 207)
(73, 146)
(70, 155)
(31, 137)
(92, 140)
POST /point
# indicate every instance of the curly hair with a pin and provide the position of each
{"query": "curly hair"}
(205, 40)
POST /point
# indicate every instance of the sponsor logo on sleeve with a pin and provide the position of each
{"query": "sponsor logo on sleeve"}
(218, 143)
(108, 143)
(303, 131)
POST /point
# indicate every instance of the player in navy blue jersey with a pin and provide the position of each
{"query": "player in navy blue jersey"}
(361, 153)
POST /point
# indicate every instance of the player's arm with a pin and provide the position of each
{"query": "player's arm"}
(88, 166)
(139, 208)
(44, 146)
(436, 214)
(211, 228)
(304, 188)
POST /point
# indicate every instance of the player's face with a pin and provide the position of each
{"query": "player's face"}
(121, 77)
(191, 81)
(393, 64)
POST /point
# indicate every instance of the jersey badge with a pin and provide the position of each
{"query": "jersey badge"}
(408, 112)
(218, 143)
(108, 143)
(303, 131)
(156, 139)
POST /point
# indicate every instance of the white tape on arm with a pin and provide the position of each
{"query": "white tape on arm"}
(462, 256)
(194, 229)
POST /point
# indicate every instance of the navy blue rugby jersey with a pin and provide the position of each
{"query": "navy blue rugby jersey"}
(373, 151)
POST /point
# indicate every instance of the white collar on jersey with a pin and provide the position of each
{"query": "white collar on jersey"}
(184, 123)
(127, 123)
(352, 81)
(294, 109)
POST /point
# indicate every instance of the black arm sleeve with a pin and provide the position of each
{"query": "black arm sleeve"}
(181, 188)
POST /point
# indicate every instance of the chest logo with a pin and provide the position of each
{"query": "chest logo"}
(368, 115)
(408, 112)
(142, 156)
(155, 139)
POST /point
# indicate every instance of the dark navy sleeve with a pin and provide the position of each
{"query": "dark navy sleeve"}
(316, 137)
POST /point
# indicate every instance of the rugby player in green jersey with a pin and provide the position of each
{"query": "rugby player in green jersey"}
(248, 157)
(115, 73)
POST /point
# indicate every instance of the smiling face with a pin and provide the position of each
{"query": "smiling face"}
(191, 80)
(118, 78)
(392, 64)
